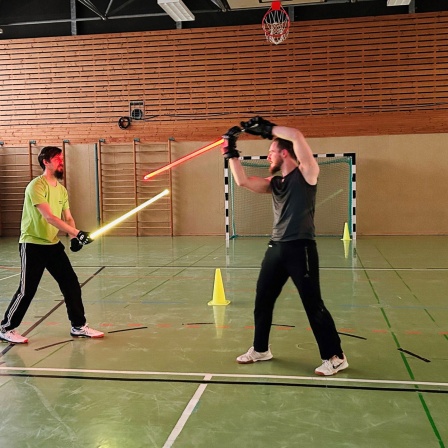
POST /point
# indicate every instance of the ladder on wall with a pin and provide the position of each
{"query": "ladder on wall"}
(18, 166)
(121, 169)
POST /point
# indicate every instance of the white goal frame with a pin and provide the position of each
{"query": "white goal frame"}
(352, 192)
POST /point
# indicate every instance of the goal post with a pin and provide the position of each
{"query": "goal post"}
(250, 214)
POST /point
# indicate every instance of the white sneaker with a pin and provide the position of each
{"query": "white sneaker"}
(253, 356)
(13, 336)
(332, 366)
(85, 332)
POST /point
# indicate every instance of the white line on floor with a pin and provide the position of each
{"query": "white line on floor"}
(186, 414)
(11, 276)
(257, 268)
(332, 379)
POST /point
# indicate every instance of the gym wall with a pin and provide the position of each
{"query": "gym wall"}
(374, 86)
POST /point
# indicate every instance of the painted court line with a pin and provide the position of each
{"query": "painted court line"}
(257, 268)
(186, 414)
(380, 269)
(223, 375)
(11, 276)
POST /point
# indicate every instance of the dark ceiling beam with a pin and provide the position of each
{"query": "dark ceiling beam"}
(108, 7)
(73, 24)
(92, 19)
(85, 19)
(119, 8)
(223, 7)
(92, 7)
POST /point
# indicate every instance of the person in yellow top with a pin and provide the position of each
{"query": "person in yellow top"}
(46, 211)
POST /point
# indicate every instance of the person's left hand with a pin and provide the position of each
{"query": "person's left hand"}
(75, 245)
(258, 126)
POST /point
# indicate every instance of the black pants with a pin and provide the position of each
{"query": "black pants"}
(35, 258)
(299, 260)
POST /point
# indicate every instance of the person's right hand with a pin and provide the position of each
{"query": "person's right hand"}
(84, 237)
(228, 149)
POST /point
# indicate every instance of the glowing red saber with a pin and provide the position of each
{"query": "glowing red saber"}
(184, 158)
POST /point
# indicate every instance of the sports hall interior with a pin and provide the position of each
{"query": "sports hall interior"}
(165, 373)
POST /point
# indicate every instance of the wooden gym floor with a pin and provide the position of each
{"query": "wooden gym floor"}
(165, 373)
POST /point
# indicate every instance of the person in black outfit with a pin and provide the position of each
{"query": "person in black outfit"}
(292, 251)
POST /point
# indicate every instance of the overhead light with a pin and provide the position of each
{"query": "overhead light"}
(176, 9)
(398, 2)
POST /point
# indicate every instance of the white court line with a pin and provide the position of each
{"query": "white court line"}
(223, 375)
(11, 276)
(334, 268)
(383, 269)
(257, 268)
(186, 414)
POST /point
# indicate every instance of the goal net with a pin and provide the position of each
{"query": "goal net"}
(250, 214)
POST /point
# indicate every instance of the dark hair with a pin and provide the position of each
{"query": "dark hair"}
(285, 144)
(47, 153)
